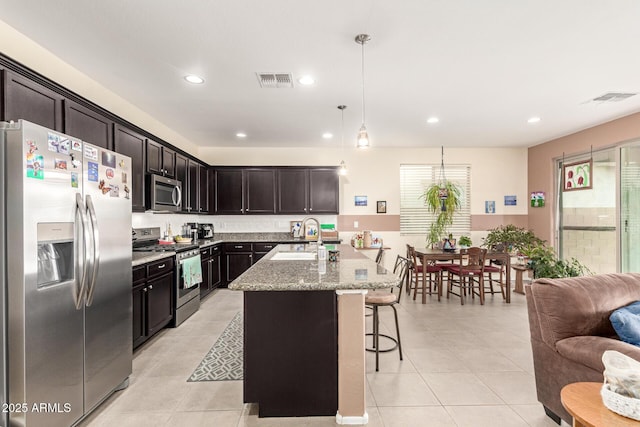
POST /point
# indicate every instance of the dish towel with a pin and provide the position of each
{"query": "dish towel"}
(191, 271)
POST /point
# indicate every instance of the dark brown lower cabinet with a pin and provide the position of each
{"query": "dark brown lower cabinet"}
(152, 297)
(211, 269)
(291, 353)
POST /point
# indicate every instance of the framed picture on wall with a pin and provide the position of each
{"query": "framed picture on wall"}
(381, 206)
(577, 176)
(360, 200)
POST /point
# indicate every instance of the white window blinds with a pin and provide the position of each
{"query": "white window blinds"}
(415, 217)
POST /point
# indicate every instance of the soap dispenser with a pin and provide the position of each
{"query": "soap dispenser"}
(322, 252)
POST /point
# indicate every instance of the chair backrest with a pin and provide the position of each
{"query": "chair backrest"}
(401, 270)
(411, 256)
(475, 258)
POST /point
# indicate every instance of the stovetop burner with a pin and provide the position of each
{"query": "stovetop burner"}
(176, 247)
(146, 240)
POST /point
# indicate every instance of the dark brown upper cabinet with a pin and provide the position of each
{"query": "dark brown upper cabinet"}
(192, 188)
(203, 189)
(160, 159)
(260, 191)
(229, 191)
(87, 125)
(324, 191)
(293, 191)
(182, 175)
(271, 190)
(28, 100)
(132, 144)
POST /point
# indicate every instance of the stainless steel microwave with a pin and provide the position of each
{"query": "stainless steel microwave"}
(165, 194)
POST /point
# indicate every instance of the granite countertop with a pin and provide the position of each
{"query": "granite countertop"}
(139, 258)
(353, 271)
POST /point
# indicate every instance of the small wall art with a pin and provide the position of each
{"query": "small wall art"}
(490, 206)
(577, 176)
(510, 200)
(361, 200)
(537, 199)
(381, 206)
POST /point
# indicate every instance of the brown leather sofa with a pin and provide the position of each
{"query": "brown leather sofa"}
(570, 329)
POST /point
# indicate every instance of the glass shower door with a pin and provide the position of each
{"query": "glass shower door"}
(630, 208)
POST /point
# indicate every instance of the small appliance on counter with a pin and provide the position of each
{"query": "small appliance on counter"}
(205, 231)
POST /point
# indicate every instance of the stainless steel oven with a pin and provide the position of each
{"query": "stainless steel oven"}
(165, 194)
(188, 270)
(188, 279)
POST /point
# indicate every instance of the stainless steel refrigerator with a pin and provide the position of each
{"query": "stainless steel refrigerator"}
(67, 225)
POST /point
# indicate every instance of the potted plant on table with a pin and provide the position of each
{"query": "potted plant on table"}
(464, 242)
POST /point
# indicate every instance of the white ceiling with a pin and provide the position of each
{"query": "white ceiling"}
(482, 67)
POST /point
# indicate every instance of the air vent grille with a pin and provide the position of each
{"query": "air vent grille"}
(613, 97)
(275, 80)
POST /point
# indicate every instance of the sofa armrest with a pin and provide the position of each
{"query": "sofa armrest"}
(588, 350)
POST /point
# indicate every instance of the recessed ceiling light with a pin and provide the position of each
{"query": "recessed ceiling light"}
(327, 135)
(306, 80)
(432, 120)
(192, 78)
(241, 135)
(533, 120)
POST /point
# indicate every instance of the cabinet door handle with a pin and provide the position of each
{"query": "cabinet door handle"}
(310, 209)
(150, 287)
(145, 290)
(161, 266)
(238, 247)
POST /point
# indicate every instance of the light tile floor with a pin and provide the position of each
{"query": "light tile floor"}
(465, 365)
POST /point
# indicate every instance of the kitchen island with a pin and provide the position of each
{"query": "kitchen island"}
(304, 331)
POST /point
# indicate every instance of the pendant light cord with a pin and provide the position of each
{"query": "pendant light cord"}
(363, 112)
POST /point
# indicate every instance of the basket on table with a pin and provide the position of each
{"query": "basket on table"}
(621, 389)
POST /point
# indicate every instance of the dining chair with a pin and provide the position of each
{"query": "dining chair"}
(377, 299)
(468, 276)
(493, 267)
(431, 282)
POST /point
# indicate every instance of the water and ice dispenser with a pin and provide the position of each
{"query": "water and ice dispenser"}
(55, 253)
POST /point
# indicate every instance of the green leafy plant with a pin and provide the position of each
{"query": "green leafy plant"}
(465, 241)
(442, 199)
(513, 239)
(545, 263)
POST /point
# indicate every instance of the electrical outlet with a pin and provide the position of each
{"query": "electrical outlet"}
(355, 224)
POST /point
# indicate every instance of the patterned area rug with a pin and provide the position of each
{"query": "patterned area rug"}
(224, 360)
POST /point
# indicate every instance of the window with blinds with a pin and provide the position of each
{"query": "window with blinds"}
(415, 217)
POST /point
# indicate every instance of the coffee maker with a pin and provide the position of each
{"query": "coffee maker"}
(205, 231)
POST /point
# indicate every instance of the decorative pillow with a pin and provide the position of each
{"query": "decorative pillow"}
(626, 322)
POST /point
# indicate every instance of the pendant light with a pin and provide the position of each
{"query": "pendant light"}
(363, 136)
(343, 166)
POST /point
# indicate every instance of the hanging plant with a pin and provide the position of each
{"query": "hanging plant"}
(442, 198)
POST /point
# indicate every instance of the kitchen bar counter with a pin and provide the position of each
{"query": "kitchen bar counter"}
(353, 271)
(297, 314)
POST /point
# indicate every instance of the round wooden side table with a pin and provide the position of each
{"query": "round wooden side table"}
(584, 403)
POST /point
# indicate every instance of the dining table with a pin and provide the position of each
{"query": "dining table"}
(429, 255)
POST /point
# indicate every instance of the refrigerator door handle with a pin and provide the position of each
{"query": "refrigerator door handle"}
(176, 200)
(86, 239)
(96, 250)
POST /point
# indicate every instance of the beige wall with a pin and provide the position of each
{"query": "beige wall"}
(541, 163)
(23, 50)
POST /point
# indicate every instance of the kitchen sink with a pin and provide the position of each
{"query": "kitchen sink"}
(294, 256)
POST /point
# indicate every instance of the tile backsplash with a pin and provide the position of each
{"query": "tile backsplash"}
(225, 223)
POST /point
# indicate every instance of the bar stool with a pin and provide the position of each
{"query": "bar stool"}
(377, 299)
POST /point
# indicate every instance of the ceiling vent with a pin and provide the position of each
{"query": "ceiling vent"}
(613, 97)
(275, 80)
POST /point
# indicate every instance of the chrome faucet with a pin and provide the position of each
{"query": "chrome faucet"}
(310, 218)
